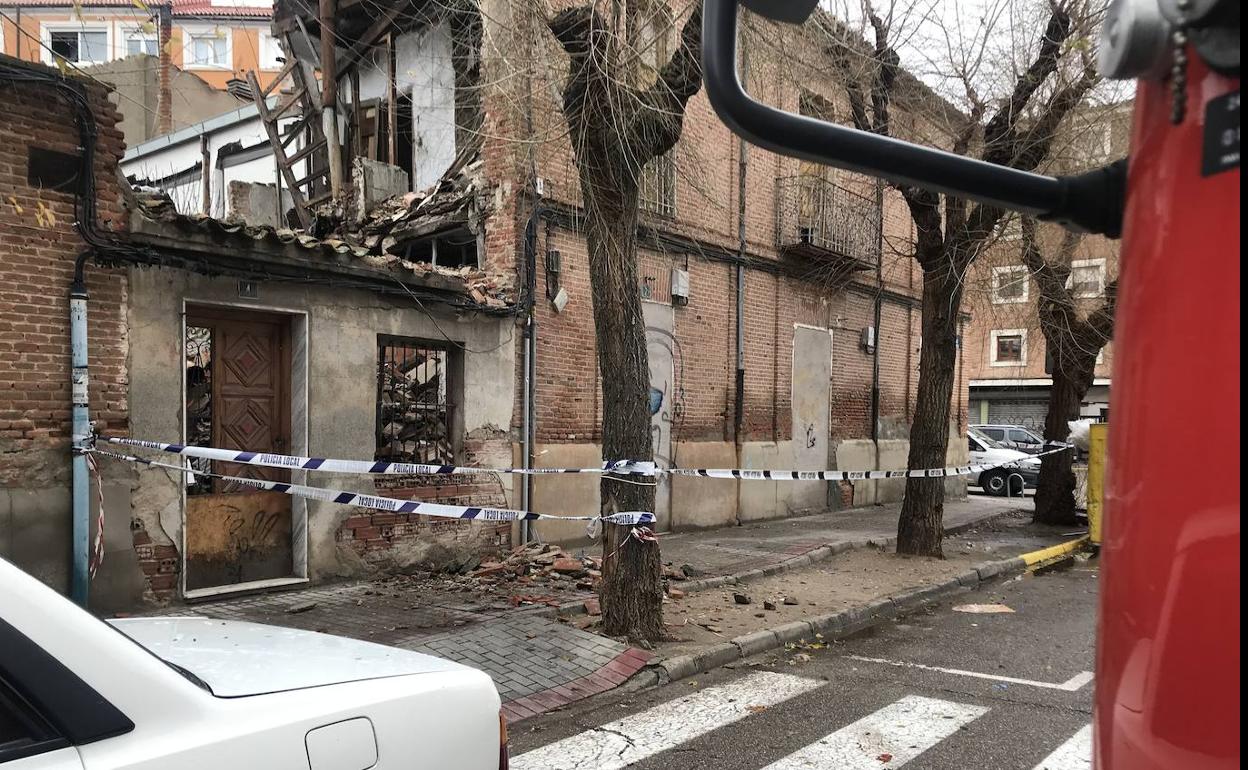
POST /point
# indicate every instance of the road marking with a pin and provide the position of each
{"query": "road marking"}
(632, 739)
(889, 738)
(1074, 754)
(1070, 685)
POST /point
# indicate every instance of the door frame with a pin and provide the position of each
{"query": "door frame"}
(298, 412)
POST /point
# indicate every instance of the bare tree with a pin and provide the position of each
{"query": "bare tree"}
(616, 128)
(1074, 341)
(949, 232)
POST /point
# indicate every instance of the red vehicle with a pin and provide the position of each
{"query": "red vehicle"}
(1167, 669)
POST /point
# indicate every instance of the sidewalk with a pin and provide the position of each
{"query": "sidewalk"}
(538, 661)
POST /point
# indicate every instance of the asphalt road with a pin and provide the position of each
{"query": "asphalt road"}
(941, 689)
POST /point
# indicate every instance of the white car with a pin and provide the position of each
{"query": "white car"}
(199, 694)
(996, 480)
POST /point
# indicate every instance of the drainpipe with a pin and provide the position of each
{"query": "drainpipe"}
(743, 151)
(81, 432)
(530, 363)
(879, 302)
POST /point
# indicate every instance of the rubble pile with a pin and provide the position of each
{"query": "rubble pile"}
(541, 564)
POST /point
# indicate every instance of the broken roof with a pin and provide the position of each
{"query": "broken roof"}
(231, 246)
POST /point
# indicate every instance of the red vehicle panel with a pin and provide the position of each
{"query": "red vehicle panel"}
(1167, 692)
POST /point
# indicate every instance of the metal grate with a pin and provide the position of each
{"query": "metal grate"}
(658, 185)
(414, 412)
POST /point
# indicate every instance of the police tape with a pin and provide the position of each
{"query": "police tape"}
(382, 467)
(610, 468)
(748, 474)
(390, 504)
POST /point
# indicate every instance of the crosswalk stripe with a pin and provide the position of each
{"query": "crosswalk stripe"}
(1074, 754)
(888, 738)
(632, 739)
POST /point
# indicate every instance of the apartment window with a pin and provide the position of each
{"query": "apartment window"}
(79, 44)
(1009, 347)
(1010, 284)
(207, 49)
(417, 386)
(271, 55)
(142, 43)
(1087, 278)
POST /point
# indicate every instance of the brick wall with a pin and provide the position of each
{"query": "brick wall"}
(38, 246)
(778, 295)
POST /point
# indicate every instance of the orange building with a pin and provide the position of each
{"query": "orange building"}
(217, 41)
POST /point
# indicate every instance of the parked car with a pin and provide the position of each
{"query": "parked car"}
(995, 481)
(191, 693)
(1013, 437)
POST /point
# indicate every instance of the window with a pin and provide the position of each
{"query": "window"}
(142, 43)
(207, 48)
(1010, 284)
(1023, 437)
(996, 434)
(79, 44)
(416, 382)
(658, 185)
(1087, 278)
(271, 54)
(23, 732)
(1009, 347)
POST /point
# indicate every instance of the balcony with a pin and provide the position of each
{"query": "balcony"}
(826, 223)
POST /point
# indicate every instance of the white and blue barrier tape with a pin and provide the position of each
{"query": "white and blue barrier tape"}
(614, 467)
(390, 504)
(747, 474)
(382, 467)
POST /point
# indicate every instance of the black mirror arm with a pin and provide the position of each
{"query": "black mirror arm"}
(1091, 202)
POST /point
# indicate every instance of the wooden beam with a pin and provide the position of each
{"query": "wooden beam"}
(392, 104)
(270, 128)
(370, 37)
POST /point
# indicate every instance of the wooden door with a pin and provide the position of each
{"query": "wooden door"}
(234, 533)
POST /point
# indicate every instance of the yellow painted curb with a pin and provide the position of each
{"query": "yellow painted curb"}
(1047, 554)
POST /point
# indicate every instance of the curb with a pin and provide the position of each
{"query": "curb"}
(1054, 553)
(835, 625)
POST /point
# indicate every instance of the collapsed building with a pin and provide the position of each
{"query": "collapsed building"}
(410, 283)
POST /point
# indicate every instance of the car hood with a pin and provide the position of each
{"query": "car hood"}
(234, 659)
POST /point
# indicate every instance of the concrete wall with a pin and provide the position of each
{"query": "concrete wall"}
(135, 80)
(340, 350)
(423, 69)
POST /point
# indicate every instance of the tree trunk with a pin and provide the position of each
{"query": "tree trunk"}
(921, 527)
(631, 593)
(1055, 491)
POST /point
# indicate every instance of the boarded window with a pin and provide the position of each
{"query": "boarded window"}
(416, 382)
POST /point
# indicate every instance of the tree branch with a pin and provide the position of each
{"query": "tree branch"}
(1004, 122)
(657, 125)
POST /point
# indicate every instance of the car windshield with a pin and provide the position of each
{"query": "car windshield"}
(981, 438)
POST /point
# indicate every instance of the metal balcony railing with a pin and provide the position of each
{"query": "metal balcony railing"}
(821, 220)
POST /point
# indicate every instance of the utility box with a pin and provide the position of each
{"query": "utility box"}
(680, 286)
(867, 339)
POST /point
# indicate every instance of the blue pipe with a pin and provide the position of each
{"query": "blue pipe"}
(81, 433)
